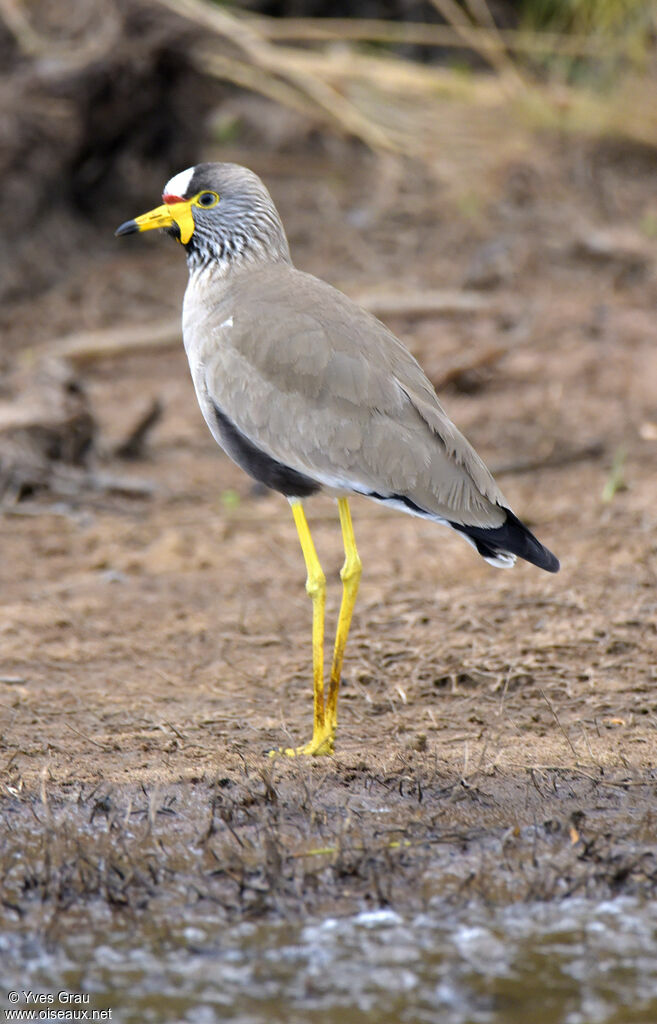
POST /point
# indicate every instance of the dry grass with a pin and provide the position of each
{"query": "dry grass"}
(392, 103)
(344, 76)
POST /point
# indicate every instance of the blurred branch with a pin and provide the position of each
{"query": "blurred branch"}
(307, 90)
(241, 73)
(275, 61)
(561, 456)
(389, 102)
(64, 56)
(29, 42)
(412, 33)
(487, 42)
(414, 304)
(92, 346)
(132, 446)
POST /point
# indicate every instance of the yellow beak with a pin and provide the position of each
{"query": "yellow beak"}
(165, 216)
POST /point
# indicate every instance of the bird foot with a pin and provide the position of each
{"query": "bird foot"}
(320, 745)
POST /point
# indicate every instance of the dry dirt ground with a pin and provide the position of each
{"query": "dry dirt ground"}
(498, 730)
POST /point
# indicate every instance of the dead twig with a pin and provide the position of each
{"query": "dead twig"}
(394, 302)
(413, 33)
(486, 42)
(488, 357)
(559, 725)
(62, 56)
(133, 445)
(88, 347)
(89, 739)
(368, 95)
(91, 346)
(274, 61)
(556, 459)
(71, 481)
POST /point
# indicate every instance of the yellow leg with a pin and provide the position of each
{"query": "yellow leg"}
(322, 741)
(350, 576)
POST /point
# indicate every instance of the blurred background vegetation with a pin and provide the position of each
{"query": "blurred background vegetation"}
(101, 99)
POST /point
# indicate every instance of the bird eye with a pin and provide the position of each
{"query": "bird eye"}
(207, 199)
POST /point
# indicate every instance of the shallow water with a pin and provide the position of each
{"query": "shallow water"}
(570, 963)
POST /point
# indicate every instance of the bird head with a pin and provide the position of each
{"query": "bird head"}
(219, 212)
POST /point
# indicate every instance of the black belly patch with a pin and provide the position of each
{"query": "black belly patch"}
(261, 466)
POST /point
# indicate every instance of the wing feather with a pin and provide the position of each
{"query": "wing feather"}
(319, 384)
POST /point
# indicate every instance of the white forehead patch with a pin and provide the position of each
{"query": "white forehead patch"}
(178, 185)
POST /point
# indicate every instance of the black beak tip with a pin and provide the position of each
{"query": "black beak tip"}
(128, 228)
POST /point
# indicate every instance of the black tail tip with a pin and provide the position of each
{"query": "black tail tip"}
(550, 562)
(511, 538)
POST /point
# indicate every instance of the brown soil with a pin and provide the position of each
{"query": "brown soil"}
(497, 729)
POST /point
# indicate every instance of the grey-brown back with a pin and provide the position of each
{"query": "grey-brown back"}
(322, 386)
